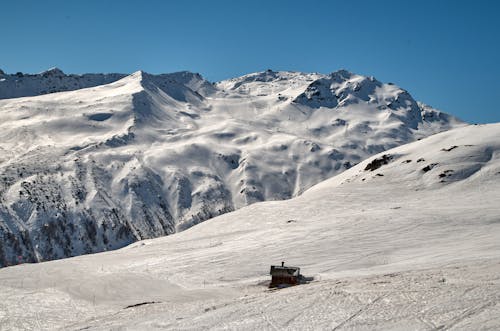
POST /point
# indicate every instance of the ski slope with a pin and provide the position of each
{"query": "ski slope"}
(407, 239)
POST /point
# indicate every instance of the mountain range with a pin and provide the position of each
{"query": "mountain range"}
(90, 163)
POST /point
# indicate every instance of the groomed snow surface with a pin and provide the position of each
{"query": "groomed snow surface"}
(407, 239)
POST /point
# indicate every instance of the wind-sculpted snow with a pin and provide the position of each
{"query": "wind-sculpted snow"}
(98, 168)
(385, 246)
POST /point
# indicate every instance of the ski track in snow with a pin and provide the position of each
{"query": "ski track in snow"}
(451, 297)
(400, 251)
(406, 239)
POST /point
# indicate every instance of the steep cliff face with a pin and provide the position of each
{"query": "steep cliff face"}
(97, 168)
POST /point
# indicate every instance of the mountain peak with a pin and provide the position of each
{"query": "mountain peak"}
(281, 80)
(342, 73)
(54, 71)
(139, 74)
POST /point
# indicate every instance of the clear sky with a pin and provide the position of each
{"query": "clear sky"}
(445, 53)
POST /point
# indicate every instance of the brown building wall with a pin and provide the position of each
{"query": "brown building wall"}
(278, 280)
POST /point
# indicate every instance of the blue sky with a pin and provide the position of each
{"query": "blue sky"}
(445, 53)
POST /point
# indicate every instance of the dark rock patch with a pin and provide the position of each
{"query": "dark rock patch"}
(429, 167)
(446, 173)
(449, 149)
(377, 163)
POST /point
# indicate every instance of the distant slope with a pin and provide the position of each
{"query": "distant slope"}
(409, 238)
(464, 158)
(50, 81)
(54, 80)
(98, 168)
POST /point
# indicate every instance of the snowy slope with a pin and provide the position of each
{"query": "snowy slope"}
(98, 168)
(408, 239)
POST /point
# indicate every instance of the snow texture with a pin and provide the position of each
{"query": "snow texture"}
(395, 247)
(144, 156)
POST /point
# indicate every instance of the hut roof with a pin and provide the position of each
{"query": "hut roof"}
(284, 270)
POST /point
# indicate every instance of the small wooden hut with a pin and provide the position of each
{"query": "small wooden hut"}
(282, 276)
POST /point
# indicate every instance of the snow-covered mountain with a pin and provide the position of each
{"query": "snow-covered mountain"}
(407, 239)
(50, 81)
(98, 168)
